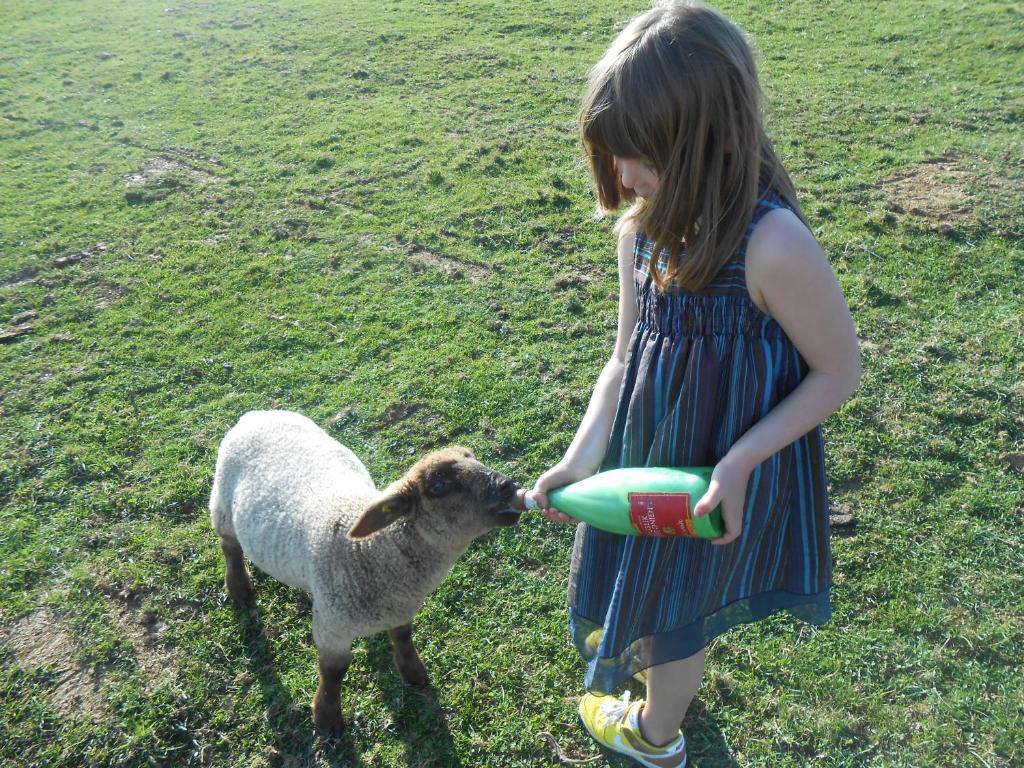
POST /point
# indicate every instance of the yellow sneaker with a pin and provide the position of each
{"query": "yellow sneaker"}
(594, 640)
(615, 724)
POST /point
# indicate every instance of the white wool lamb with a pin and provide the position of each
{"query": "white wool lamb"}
(304, 509)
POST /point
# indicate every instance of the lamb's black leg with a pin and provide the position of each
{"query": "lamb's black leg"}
(236, 578)
(406, 658)
(327, 701)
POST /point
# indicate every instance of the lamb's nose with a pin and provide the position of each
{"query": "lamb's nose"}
(502, 488)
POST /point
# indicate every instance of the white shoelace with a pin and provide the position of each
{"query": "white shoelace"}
(616, 710)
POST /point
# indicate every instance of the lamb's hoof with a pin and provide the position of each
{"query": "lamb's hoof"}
(243, 600)
(415, 675)
(327, 720)
(331, 733)
(240, 592)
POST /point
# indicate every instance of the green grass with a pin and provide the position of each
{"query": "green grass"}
(376, 214)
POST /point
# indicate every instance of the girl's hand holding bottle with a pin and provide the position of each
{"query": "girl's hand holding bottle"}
(728, 488)
(561, 474)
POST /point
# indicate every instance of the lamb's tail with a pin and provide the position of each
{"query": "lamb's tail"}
(220, 500)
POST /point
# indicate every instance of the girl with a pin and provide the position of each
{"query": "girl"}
(734, 344)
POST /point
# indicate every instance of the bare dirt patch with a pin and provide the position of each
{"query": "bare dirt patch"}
(944, 193)
(110, 293)
(421, 258)
(934, 192)
(21, 277)
(567, 281)
(144, 628)
(397, 412)
(157, 167)
(162, 175)
(19, 325)
(870, 348)
(840, 516)
(45, 640)
(73, 258)
(322, 200)
(292, 229)
(192, 154)
(29, 274)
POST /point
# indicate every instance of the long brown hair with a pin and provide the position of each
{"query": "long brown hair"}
(679, 88)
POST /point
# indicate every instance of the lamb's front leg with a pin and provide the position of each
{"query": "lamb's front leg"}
(334, 646)
(406, 658)
(327, 701)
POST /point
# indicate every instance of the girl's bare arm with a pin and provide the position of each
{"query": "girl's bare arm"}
(790, 278)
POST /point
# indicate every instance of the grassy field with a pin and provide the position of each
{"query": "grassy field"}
(375, 213)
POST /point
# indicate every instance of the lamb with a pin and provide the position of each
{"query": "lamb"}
(304, 509)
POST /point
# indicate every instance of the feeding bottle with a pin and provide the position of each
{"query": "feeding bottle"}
(639, 501)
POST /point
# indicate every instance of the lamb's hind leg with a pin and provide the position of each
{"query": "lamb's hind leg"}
(236, 577)
(406, 658)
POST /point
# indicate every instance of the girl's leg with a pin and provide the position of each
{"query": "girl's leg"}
(670, 689)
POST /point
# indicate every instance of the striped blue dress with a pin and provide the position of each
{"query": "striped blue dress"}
(702, 369)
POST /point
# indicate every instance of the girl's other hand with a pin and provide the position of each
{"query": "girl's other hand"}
(556, 477)
(728, 487)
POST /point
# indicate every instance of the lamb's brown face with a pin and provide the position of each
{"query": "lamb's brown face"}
(448, 492)
(453, 484)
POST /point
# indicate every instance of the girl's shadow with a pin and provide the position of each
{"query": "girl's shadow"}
(705, 744)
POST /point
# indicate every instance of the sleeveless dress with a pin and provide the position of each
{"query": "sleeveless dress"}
(702, 369)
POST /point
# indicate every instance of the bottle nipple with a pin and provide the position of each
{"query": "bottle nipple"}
(525, 501)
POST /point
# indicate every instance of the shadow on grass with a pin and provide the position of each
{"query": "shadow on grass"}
(418, 715)
(289, 724)
(705, 744)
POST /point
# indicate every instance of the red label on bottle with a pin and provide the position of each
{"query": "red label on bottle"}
(661, 514)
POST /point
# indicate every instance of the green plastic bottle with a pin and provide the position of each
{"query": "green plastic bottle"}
(640, 501)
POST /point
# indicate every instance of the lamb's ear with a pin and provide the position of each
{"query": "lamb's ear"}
(382, 513)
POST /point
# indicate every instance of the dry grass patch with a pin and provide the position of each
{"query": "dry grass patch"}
(421, 258)
(158, 167)
(44, 640)
(144, 628)
(943, 193)
(934, 192)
